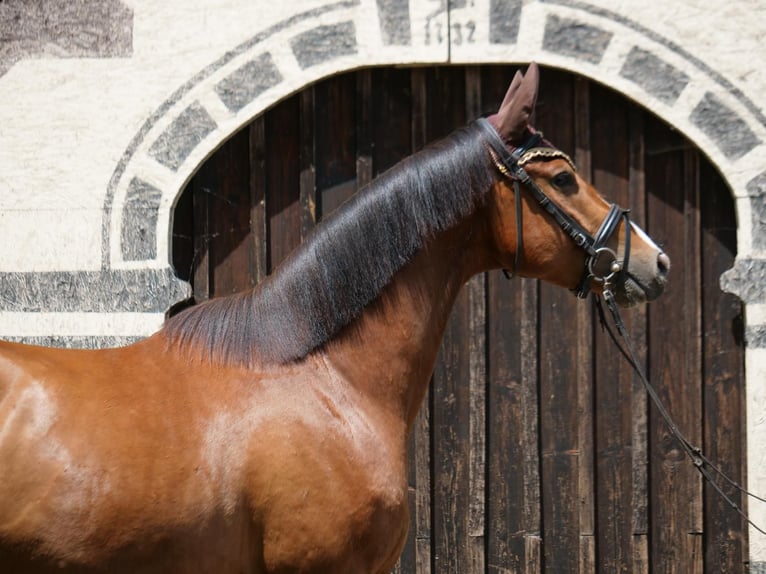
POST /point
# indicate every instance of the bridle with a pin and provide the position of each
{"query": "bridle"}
(602, 264)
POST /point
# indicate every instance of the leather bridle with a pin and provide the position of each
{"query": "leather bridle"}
(602, 264)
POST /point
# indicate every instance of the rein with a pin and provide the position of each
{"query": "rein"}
(601, 266)
(706, 468)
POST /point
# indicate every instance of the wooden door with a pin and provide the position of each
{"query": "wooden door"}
(536, 449)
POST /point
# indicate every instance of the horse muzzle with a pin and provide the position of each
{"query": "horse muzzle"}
(644, 280)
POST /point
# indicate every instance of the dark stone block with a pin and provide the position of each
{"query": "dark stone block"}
(576, 39)
(504, 17)
(722, 125)
(656, 76)
(107, 291)
(248, 82)
(756, 188)
(181, 137)
(139, 221)
(76, 341)
(756, 337)
(64, 29)
(324, 43)
(746, 280)
(394, 16)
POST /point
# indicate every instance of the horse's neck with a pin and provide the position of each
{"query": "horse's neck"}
(390, 351)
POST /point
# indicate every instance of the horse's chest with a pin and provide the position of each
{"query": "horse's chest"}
(335, 507)
(349, 530)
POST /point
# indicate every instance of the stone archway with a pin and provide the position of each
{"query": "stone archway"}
(335, 37)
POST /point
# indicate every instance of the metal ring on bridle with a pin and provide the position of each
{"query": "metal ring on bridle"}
(615, 266)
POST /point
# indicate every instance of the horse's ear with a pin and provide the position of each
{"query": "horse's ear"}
(512, 119)
(512, 89)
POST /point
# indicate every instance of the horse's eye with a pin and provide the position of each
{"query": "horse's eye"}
(563, 179)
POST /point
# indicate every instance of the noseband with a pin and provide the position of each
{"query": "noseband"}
(602, 263)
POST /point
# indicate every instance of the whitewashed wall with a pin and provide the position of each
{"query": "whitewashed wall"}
(109, 106)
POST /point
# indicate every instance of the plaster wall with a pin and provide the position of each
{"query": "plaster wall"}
(109, 107)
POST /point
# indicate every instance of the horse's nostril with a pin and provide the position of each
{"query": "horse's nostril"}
(663, 263)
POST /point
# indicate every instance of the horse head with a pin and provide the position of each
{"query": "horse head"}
(548, 222)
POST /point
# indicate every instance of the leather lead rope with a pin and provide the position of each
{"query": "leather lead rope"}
(706, 468)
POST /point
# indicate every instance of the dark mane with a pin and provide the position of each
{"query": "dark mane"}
(344, 265)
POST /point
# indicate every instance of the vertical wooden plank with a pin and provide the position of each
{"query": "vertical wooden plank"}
(513, 478)
(396, 93)
(283, 178)
(228, 193)
(364, 130)
(477, 382)
(335, 101)
(613, 377)
(638, 333)
(692, 292)
(259, 262)
(183, 233)
(451, 405)
(724, 440)
(584, 376)
(423, 438)
(559, 433)
(674, 356)
(306, 159)
(201, 217)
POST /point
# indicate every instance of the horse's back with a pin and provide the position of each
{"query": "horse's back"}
(100, 460)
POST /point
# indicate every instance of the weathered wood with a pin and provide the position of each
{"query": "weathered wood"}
(613, 380)
(364, 134)
(638, 330)
(722, 326)
(398, 113)
(258, 197)
(584, 374)
(184, 237)
(200, 265)
(307, 162)
(477, 385)
(558, 350)
(229, 212)
(283, 206)
(422, 440)
(674, 358)
(335, 141)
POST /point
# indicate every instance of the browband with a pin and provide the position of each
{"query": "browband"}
(545, 154)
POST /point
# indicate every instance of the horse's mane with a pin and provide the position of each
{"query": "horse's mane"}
(346, 262)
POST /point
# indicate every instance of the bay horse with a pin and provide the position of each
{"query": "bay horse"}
(267, 431)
